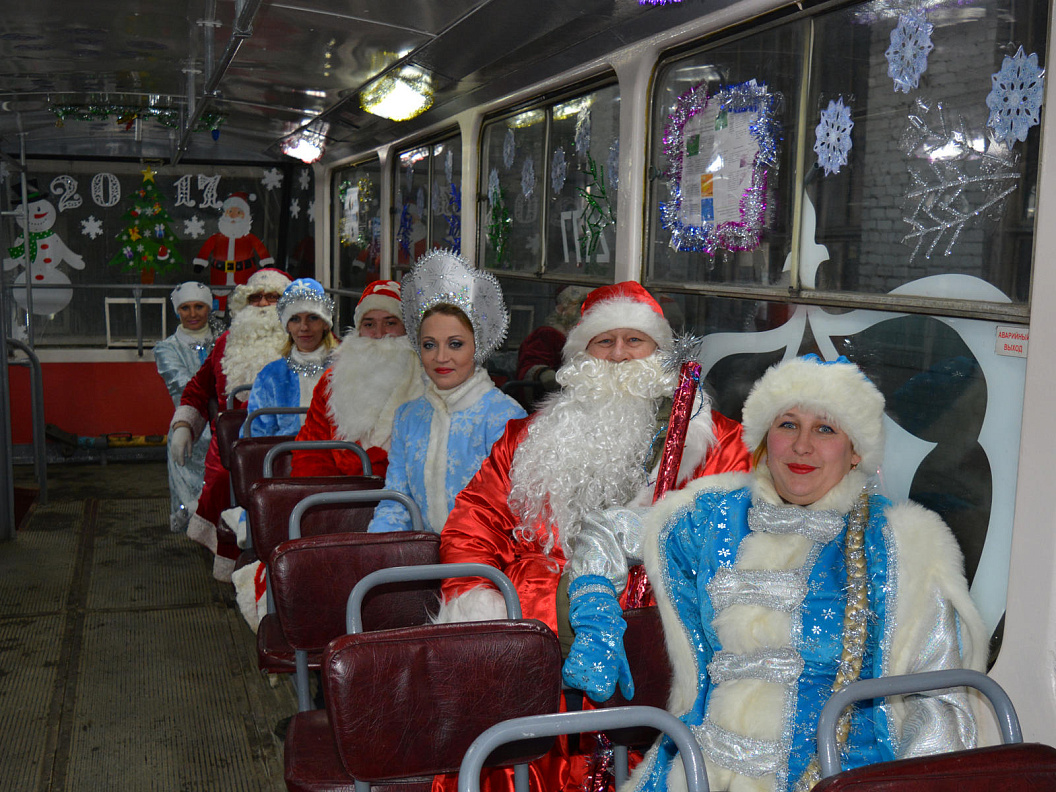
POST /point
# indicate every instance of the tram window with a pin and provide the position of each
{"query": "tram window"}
(357, 232)
(97, 208)
(428, 194)
(549, 177)
(926, 189)
(953, 406)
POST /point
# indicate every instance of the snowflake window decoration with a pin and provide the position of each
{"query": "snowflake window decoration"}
(1015, 97)
(493, 187)
(509, 149)
(956, 178)
(295, 208)
(528, 177)
(717, 204)
(449, 165)
(272, 179)
(833, 136)
(907, 57)
(194, 227)
(583, 132)
(613, 165)
(558, 171)
(92, 227)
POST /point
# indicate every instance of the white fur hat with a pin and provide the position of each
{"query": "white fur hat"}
(381, 295)
(305, 295)
(625, 304)
(191, 291)
(264, 280)
(837, 389)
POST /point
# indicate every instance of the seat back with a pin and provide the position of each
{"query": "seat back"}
(247, 464)
(650, 670)
(270, 502)
(409, 702)
(311, 578)
(227, 426)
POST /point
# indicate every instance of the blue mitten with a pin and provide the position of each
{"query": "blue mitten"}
(597, 660)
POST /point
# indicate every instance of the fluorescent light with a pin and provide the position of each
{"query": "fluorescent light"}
(400, 95)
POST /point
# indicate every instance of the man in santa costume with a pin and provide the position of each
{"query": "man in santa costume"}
(234, 252)
(375, 370)
(255, 339)
(539, 355)
(589, 445)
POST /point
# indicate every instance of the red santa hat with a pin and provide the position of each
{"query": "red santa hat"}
(239, 199)
(381, 295)
(625, 304)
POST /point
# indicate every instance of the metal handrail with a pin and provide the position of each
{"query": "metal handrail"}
(247, 425)
(36, 384)
(316, 445)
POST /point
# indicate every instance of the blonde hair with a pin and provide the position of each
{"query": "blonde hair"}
(445, 309)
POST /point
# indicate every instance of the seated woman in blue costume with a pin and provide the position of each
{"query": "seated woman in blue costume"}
(780, 586)
(457, 318)
(307, 313)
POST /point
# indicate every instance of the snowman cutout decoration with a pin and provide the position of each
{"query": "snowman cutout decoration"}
(46, 251)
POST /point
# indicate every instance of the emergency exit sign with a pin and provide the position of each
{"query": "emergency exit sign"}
(1012, 340)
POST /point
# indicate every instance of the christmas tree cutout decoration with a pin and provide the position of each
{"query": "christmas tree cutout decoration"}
(147, 242)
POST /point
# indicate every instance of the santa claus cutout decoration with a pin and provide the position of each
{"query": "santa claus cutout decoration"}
(46, 251)
(234, 252)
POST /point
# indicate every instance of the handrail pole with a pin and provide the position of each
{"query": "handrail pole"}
(36, 383)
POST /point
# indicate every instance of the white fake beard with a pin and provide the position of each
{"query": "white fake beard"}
(255, 339)
(587, 447)
(367, 374)
(234, 229)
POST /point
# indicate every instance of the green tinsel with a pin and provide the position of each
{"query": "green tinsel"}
(126, 114)
(499, 226)
(598, 214)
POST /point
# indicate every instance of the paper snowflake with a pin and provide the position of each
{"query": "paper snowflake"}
(558, 170)
(493, 187)
(295, 208)
(957, 177)
(509, 149)
(311, 211)
(528, 177)
(91, 227)
(194, 227)
(833, 136)
(449, 163)
(583, 131)
(272, 179)
(612, 173)
(1015, 97)
(304, 179)
(907, 57)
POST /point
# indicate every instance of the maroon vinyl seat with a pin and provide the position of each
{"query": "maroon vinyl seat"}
(247, 463)
(268, 513)
(1019, 767)
(227, 426)
(311, 578)
(400, 707)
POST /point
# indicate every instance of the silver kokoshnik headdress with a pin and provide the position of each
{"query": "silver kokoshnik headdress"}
(442, 276)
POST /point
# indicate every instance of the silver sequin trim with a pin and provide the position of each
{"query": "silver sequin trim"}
(783, 666)
(821, 526)
(779, 590)
(308, 369)
(744, 755)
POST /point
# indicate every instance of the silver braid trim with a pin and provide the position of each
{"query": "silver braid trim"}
(745, 755)
(782, 666)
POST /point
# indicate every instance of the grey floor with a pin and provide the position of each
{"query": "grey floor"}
(123, 665)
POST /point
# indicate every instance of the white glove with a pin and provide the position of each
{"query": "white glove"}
(180, 444)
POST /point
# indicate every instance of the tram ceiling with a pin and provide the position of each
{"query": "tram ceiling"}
(127, 78)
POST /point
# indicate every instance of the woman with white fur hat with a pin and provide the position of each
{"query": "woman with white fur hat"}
(178, 357)
(780, 586)
(307, 313)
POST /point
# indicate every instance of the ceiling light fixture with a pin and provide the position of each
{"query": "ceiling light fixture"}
(400, 95)
(307, 145)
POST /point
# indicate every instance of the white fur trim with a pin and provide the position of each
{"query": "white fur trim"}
(202, 531)
(245, 582)
(377, 302)
(235, 520)
(615, 313)
(187, 414)
(191, 291)
(477, 604)
(837, 390)
(222, 568)
(265, 280)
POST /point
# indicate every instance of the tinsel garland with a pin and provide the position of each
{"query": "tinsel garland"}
(598, 214)
(752, 97)
(499, 226)
(127, 114)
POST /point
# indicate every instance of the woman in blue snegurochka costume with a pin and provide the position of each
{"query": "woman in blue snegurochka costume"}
(178, 358)
(778, 586)
(307, 313)
(457, 317)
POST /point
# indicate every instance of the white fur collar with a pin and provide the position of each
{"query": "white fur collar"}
(461, 396)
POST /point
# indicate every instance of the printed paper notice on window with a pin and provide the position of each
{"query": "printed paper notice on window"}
(1012, 340)
(716, 166)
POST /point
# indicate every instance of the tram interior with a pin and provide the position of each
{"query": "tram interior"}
(123, 664)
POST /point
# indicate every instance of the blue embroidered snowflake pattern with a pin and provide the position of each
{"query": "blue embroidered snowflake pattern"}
(558, 171)
(724, 552)
(829, 613)
(907, 57)
(583, 131)
(509, 149)
(833, 136)
(528, 177)
(1015, 97)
